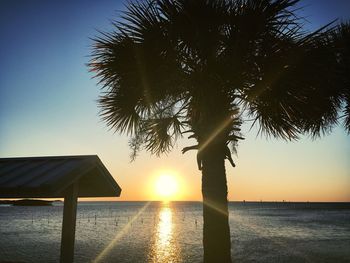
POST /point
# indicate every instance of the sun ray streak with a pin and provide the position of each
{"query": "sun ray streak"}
(213, 206)
(119, 235)
(215, 133)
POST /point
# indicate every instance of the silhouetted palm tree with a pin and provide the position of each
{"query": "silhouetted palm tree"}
(177, 66)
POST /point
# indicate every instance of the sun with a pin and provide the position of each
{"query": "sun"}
(166, 186)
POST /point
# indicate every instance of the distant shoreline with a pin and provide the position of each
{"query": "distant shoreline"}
(7, 201)
(27, 202)
(248, 202)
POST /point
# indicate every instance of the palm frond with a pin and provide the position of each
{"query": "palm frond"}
(158, 131)
(292, 85)
(341, 38)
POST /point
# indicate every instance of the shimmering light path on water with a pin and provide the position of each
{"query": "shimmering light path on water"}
(165, 246)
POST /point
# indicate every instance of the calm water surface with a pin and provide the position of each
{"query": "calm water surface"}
(172, 232)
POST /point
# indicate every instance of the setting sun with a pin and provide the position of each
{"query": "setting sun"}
(166, 186)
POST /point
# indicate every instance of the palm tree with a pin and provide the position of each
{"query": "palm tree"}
(202, 68)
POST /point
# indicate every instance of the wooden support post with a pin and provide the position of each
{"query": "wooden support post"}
(68, 224)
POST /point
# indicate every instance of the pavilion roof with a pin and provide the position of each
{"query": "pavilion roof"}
(50, 177)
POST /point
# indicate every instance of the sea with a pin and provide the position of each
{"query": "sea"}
(172, 232)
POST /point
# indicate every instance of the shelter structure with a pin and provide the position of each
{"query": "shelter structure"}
(67, 177)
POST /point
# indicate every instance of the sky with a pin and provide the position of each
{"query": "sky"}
(48, 107)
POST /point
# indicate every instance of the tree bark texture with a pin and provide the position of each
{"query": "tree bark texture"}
(216, 230)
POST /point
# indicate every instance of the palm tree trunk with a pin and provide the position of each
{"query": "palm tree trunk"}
(216, 230)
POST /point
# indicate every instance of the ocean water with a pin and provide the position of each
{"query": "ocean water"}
(172, 232)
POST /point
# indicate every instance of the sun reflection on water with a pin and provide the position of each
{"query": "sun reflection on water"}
(165, 247)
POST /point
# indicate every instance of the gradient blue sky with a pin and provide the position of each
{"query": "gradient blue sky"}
(48, 107)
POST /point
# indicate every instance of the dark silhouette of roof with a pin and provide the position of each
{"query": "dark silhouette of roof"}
(51, 176)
